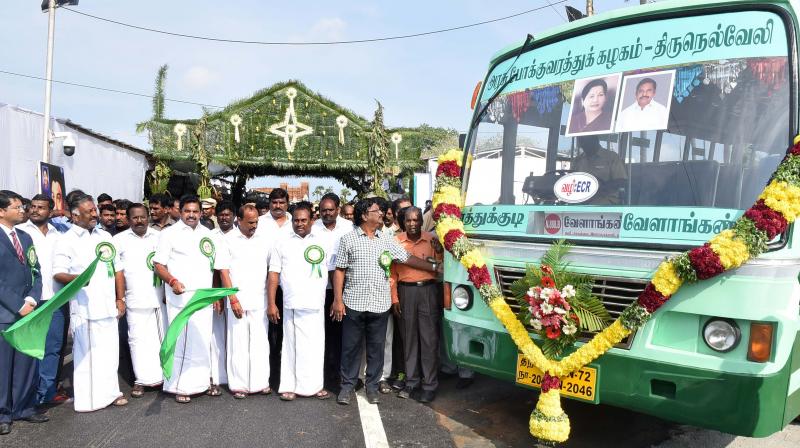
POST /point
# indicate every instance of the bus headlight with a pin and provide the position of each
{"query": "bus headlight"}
(722, 335)
(462, 297)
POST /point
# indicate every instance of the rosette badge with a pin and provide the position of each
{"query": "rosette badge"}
(314, 256)
(151, 266)
(106, 252)
(385, 262)
(207, 249)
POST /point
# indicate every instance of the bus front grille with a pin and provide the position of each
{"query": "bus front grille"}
(616, 293)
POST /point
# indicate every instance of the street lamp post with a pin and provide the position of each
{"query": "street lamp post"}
(51, 27)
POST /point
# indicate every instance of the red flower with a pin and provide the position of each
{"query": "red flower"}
(446, 209)
(479, 276)
(575, 318)
(449, 168)
(550, 382)
(451, 237)
(705, 262)
(795, 150)
(766, 219)
(547, 269)
(651, 299)
(552, 332)
(548, 282)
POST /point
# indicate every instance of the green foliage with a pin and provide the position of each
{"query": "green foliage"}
(159, 177)
(789, 171)
(684, 267)
(378, 152)
(344, 195)
(755, 239)
(158, 98)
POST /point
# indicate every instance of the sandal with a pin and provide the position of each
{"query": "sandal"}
(266, 391)
(239, 395)
(121, 401)
(322, 395)
(137, 391)
(213, 391)
(288, 396)
(183, 398)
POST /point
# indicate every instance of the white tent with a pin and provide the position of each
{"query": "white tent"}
(100, 164)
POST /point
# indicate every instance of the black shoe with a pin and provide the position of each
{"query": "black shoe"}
(427, 396)
(344, 397)
(405, 393)
(399, 385)
(384, 387)
(464, 383)
(359, 384)
(373, 397)
(5, 428)
(37, 418)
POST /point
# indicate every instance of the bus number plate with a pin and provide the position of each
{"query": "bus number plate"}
(581, 384)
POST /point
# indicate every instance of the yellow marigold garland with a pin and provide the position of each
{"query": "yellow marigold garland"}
(731, 250)
(783, 198)
(666, 279)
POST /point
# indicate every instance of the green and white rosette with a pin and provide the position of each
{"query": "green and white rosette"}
(314, 255)
(156, 279)
(106, 252)
(32, 260)
(207, 249)
(385, 262)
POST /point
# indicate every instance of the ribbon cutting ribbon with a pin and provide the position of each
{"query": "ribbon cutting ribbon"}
(207, 248)
(314, 255)
(385, 262)
(106, 252)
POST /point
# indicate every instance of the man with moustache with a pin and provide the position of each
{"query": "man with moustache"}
(219, 362)
(108, 218)
(121, 220)
(175, 209)
(160, 205)
(186, 258)
(276, 225)
(141, 294)
(416, 303)
(644, 114)
(347, 212)
(93, 311)
(363, 300)
(331, 226)
(226, 213)
(248, 345)
(44, 237)
(20, 291)
(300, 263)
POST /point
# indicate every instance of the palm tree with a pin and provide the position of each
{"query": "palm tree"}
(344, 195)
(318, 192)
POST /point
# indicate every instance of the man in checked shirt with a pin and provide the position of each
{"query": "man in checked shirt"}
(362, 303)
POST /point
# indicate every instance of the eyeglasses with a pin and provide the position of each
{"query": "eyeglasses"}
(16, 207)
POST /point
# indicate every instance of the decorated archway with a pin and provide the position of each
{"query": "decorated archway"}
(286, 129)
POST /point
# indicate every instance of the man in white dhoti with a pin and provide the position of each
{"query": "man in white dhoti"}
(301, 262)
(185, 260)
(142, 294)
(248, 345)
(93, 313)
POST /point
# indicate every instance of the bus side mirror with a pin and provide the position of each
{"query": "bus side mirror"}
(462, 140)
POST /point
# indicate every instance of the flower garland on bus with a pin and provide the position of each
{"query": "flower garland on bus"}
(776, 208)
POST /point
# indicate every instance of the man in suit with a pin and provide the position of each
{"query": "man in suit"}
(20, 292)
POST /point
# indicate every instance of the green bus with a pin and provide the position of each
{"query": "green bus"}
(635, 135)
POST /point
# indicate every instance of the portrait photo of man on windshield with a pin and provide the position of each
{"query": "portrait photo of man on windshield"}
(646, 99)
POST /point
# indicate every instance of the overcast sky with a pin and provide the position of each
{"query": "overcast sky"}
(420, 80)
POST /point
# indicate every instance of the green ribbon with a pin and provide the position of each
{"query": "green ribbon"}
(28, 335)
(156, 279)
(314, 255)
(385, 261)
(32, 260)
(207, 249)
(106, 252)
(201, 299)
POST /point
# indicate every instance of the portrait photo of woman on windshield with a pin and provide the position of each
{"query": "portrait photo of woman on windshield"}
(593, 105)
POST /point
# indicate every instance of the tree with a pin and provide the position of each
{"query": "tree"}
(344, 195)
(378, 151)
(318, 192)
(328, 190)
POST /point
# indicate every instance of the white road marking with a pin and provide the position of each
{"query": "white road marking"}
(371, 424)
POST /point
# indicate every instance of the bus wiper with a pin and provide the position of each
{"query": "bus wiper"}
(505, 84)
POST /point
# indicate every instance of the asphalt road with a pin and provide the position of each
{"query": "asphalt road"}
(489, 414)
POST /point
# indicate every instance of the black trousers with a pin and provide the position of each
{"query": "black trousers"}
(125, 369)
(19, 378)
(421, 318)
(356, 326)
(275, 338)
(333, 344)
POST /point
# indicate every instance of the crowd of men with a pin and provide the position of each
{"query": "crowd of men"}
(329, 299)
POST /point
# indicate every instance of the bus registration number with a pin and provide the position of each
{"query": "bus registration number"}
(581, 384)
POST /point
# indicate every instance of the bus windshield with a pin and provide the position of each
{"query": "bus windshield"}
(687, 112)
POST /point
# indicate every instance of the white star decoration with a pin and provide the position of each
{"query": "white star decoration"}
(290, 129)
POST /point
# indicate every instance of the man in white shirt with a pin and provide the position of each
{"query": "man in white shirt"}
(219, 358)
(301, 263)
(248, 345)
(93, 311)
(44, 236)
(142, 294)
(331, 226)
(186, 258)
(646, 113)
(276, 225)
